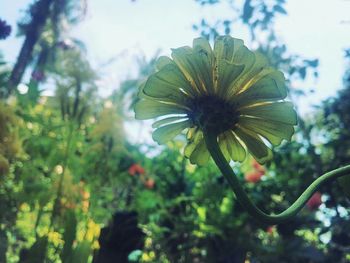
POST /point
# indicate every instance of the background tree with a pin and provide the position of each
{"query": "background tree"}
(43, 27)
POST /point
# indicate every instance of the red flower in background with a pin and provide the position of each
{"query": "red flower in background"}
(315, 201)
(149, 183)
(253, 177)
(136, 169)
(258, 167)
(270, 229)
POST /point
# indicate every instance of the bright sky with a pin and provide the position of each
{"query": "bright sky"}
(124, 29)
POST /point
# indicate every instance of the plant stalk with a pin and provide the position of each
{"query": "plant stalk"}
(244, 200)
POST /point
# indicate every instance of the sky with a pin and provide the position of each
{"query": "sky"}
(122, 30)
(313, 29)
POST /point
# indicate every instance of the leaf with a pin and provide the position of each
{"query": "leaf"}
(247, 11)
(280, 9)
(147, 200)
(302, 72)
(202, 211)
(81, 253)
(312, 63)
(70, 229)
(345, 184)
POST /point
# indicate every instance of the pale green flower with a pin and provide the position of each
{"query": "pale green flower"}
(230, 91)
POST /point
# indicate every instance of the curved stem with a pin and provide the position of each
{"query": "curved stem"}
(242, 197)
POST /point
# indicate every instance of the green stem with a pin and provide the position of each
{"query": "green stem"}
(59, 193)
(242, 197)
(37, 221)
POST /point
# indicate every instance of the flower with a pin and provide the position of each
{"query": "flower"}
(315, 201)
(258, 167)
(228, 91)
(270, 229)
(149, 183)
(38, 75)
(253, 177)
(136, 169)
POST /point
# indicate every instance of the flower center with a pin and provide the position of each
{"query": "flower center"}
(213, 114)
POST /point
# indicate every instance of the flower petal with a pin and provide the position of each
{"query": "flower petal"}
(148, 109)
(235, 148)
(200, 154)
(168, 120)
(268, 88)
(228, 73)
(202, 43)
(234, 52)
(254, 144)
(223, 143)
(163, 61)
(194, 136)
(231, 147)
(255, 68)
(168, 132)
(185, 60)
(167, 84)
(273, 131)
(225, 47)
(275, 111)
(204, 60)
